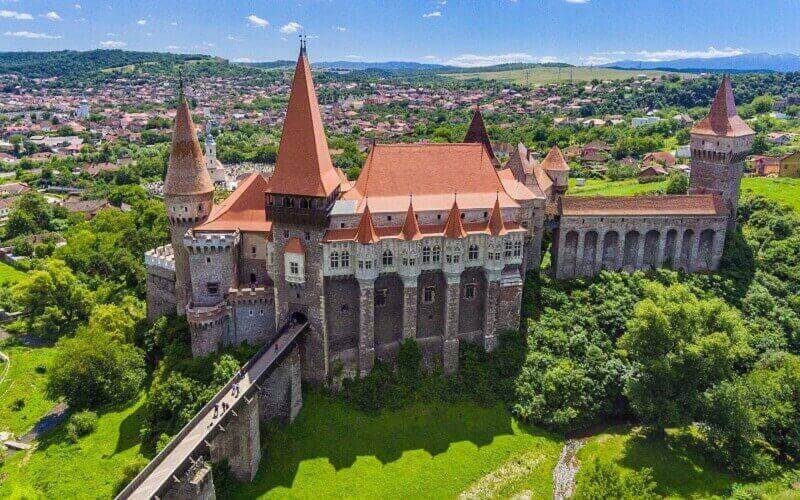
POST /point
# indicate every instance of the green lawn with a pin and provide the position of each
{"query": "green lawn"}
(680, 471)
(90, 468)
(781, 189)
(602, 187)
(9, 275)
(542, 76)
(424, 450)
(24, 379)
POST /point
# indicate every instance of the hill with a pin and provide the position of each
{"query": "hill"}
(543, 75)
(76, 63)
(744, 62)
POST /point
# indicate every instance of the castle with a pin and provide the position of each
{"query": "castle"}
(430, 243)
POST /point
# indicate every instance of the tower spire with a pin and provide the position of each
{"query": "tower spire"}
(186, 171)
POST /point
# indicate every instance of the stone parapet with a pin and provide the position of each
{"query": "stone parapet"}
(210, 242)
(160, 258)
(259, 294)
(206, 316)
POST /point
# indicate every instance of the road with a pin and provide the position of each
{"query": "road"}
(204, 424)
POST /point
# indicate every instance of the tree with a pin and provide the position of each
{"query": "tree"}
(95, 369)
(763, 104)
(53, 299)
(677, 183)
(601, 480)
(679, 346)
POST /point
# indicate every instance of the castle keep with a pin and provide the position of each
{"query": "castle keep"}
(430, 243)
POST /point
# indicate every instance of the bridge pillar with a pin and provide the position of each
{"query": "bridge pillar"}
(281, 396)
(240, 444)
(197, 484)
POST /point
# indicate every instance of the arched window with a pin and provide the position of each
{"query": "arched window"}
(334, 260)
(345, 259)
(426, 255)
(472, 254)
(303, 203)
(436, 254)
(388, 258)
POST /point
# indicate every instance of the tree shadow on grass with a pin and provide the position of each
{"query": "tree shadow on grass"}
(130, 430)
(328, 429)
(678, 466)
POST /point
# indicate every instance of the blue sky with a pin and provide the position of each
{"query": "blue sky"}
(462, 32)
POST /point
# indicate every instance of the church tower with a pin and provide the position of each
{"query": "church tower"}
(188, 194)
(299, 197)
(720, 143)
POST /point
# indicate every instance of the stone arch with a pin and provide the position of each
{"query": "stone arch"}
(610, 250)
(630, 250)
(651, 240)
(669, 249)
(706, 251)
(570, 254)
(686, 250)
(589, 253)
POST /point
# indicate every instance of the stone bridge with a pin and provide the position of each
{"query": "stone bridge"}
(269, 387)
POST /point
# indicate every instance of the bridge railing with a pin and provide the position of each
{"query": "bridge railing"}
(162, 455)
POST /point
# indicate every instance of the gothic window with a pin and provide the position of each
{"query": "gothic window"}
(388, 258)
(213, 288)
(509, 249)
(469, 291)
(436, 255)
(334, 260)
(294, 268)
(303, 203)
(288, 202)
(517, 248)
(367, 264)
(429, 294)
(426, 255)
(380, 297)
(456, 258)
(345, 259)
(473, 252)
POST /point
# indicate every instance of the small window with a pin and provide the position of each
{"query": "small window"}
(294, 268)
(368, 264)
(429, 294)
(509, 249)
(485, 214)
(439, 216)
(426, 255)
(388, 258)
(307, 235)
(473, 252)
(200, 208)
(389, 218)
(469, 291)
(213, 288)
(285, 233)
(303, 203)
(345, 308)
(334, 260)
(345, 259)
(380, 297)
(436, 255)
(341, 225)
(463, 215)
(208, 260)
(517, 248)
(253, 249)
(185, 209)
(253, 279)
(261, 312)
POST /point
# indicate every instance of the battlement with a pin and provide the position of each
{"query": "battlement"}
(210, 242)
(206, 316)
(161, 257)
(260, 294)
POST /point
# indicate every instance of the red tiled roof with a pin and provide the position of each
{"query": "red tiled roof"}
(454, 228)
(294, 245)
(699, 205)
(496, 225)
(723, 119)
(242, 210)
(476, 133)
(304, 164)
(396, 232)
(411, 226)
(366, 229)
(554, 160)
(186, 173)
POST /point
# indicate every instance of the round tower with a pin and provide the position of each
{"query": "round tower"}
(188, 195)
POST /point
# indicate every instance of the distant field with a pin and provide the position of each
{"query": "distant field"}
(540, 76)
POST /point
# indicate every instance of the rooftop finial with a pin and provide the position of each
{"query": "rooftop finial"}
(180, 85)
(303, 41)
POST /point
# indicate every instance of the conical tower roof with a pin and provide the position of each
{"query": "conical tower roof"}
(186, 171)
(723, 119)
(476, 133)
(411, 225)
(554, 160)
(366, 233)
(497, 226)
(454, 228)
(304, 164)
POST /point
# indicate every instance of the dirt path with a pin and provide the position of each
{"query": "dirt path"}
(566, 469)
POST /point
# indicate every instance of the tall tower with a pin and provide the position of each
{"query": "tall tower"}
(300, 194)
(720, 143)
(188, 194)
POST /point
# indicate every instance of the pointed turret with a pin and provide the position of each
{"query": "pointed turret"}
(366, 233)
(723, 119)
(186, 173)
(454, 228)
(304, 166)
(477, 134)
(497, 226)
(411, 225)
(557, 169)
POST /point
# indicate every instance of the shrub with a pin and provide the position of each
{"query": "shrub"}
(599, 480)
(677, 183)
(81, 424)
(18, 404)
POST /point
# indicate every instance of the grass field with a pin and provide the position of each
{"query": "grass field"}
(89, 468)
(23, 380)
(433, 450)
(543, 76)
(9, 275)
(679, 471)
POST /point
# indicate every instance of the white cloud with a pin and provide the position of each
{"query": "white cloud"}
(354, 57)
(473, 60)
(12, 14)
(77, 6)
(53, 16)
(173, 23)
(141, 22)
(670, 54)
(340, 28)
(243, 60)
(431, 58)
(290, 27)
(173, 47)
(257, 21)
(113, 44)
(235, 38)
(435, 13)
(30, 34)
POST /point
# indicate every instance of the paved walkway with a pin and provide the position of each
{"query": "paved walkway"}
(152, 479)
